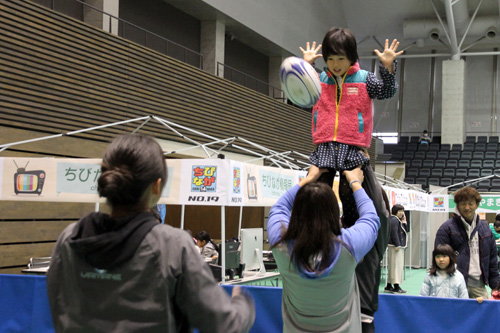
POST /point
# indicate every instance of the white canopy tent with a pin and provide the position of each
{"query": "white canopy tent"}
(289, 165)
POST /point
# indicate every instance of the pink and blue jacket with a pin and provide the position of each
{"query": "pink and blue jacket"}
(344, 111)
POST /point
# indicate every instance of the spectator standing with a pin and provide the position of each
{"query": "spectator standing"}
(396, 250)
(472, 240)
(443, 279)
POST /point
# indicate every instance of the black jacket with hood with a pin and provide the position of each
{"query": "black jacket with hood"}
(134, 275)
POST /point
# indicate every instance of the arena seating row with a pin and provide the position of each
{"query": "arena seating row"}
(468, 139)
(487, 185)
(443, 163)
(446, 165)
(445, 155)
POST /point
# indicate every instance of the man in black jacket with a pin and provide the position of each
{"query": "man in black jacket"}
(473, 241)
(396, 253)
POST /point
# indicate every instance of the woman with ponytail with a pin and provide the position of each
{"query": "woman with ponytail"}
(125, 272)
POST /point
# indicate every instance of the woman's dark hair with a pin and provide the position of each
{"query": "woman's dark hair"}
(339, 41)
(131, 163)
(314, 225)
(205, 236)
(396, 208)
(445, 250)
(467, 193)
(497, 217)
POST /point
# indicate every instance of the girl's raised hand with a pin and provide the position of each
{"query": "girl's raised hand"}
(310, 53)
(387, 57)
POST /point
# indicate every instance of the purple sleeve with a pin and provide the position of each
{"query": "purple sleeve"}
(279, 215)
(363, 234)
(382, 89)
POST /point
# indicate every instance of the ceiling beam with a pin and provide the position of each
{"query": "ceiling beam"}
(455, 51)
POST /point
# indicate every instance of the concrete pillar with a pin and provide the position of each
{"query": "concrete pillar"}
(98, 19)
(212, 46)
(274, 77)
(453, 107)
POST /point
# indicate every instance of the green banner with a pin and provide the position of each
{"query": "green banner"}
(488, 204)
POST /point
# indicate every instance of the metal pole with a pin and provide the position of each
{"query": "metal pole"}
(406, 56)
(183, 208)
(240, 220)
(401, 98)
(386, 265)
(411, 247)
(7, 145)
(470, 24)
(223, 243)
(107, 125)
(438, 55)
(431, 94)
(493, 128)
(453, 33)
(429, 251)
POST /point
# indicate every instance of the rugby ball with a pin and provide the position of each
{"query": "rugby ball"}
(300, 82)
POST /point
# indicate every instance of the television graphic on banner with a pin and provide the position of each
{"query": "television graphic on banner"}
(252, 187)
(28, 181)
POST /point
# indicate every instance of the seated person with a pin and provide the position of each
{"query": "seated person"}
(425, 138)
(208, 249)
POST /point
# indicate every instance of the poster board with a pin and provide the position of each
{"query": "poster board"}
(217, 182)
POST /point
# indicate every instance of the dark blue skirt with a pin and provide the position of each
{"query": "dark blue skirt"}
(337, 156)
